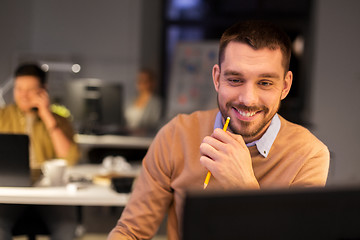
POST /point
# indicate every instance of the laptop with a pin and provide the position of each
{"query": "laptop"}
(311, 214)
(14, 161)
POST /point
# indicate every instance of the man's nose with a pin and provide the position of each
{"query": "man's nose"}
(24, 93)
(249, 95)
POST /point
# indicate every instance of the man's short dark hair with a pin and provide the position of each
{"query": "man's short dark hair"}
(258, 35)
(31, 69)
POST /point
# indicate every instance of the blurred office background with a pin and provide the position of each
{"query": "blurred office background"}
(92, 45)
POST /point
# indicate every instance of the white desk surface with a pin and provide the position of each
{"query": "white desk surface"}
(113, 141)
(85, 195)
(88, 196)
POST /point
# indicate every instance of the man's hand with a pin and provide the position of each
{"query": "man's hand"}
(228, 159)
(41, 101)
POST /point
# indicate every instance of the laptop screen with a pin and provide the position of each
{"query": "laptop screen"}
(14, 160)
(311, 213)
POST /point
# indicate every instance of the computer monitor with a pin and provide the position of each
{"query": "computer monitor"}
(14, 160)
(313, 213)
(96, 105)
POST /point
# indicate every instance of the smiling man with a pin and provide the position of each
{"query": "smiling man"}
(260, 149)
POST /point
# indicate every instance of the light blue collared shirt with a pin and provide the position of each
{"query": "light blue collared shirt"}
(264, 144)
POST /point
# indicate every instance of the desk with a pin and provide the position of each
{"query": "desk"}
(89, 141)
(131, 147)
(86, 195)
(92, 195)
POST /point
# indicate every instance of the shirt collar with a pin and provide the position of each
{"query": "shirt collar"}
(264, 144)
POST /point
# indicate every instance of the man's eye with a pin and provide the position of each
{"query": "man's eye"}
(265, 83)
(234, 80)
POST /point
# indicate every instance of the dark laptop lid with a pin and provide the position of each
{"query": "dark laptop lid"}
(14, 160)
(311, 214)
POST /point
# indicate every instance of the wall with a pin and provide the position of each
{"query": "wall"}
(15, 34)
(335, 97)
(103, 38)
(150, 35)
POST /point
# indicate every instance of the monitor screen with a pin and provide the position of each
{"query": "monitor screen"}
(14, 160)
(311, 213)
(96, 106)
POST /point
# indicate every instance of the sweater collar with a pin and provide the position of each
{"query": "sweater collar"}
(264, 144)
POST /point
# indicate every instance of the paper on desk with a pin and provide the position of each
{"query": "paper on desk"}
(115, 164)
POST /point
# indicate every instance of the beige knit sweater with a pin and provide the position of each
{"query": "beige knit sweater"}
(172, 166)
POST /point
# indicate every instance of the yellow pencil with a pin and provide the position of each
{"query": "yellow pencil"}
(207, 179)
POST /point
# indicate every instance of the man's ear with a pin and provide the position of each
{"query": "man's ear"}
(216, 76)
(287, 84)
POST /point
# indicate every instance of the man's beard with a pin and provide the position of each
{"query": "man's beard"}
(244, 130)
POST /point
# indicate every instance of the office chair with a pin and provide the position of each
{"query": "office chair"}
(30, 225)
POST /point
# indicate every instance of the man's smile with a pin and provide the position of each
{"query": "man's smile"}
(246, 115)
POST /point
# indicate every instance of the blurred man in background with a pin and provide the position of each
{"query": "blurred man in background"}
(51, 136)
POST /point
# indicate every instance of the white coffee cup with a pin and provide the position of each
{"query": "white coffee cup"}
(54, 171)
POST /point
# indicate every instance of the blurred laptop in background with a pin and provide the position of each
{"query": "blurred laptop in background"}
(14, 160)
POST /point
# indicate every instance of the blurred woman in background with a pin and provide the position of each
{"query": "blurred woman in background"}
(144, 113)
